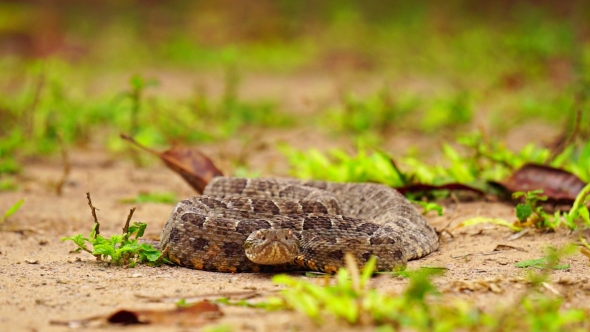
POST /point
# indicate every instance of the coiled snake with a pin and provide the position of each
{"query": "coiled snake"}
(258, 225)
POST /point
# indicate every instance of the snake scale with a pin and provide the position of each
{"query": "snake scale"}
(312, 223)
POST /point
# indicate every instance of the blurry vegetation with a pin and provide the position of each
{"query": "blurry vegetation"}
(502, 63)
(11, 210)
(88, 70)
(118, 249)
(152, 197)
(352, 298)
(472, 160)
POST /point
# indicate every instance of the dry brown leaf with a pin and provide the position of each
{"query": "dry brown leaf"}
(478, 285)
(558, 185)
(197, 314)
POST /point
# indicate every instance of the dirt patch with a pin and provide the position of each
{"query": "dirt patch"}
(40, 280)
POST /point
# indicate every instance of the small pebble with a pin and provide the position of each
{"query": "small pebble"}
(136, 275)
(31, 261)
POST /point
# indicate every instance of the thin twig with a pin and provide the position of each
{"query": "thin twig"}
(126, 227)
(66, 166)
(164, 254)
(239, 295)
(93, 210)
(134, 142)
(563, 142)
(28, 114)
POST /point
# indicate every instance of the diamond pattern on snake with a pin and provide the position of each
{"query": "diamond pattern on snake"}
(275, 224)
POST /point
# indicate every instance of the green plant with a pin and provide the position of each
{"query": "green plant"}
(152, 197)
(529, 214)
(551, 260)
(339, 166)
(352, 299)
(8, 184)
(372, 117)
(118, 249)
(448, 112)
(429, 206)
(123, 249)
(579, 210)
(11, 210)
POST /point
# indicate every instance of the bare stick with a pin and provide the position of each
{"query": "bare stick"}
(145, 148)
(164, 254)
(563, 141)
(126, 227)
(28, 114)
(93, 210)
(66, 166)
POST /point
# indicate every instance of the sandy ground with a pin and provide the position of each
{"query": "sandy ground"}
(41, 280)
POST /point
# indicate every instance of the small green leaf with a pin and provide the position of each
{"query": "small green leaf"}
(104, 249)
(138, 227)
(12, 210)
(79, 240)
(368, 270)
(583, 212)
(115, 239)
(182, 303)
(148, 252)
(523, 212)
(541, 263)
(518, 194)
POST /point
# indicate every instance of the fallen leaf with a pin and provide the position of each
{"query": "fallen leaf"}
(428, 187)
(194, 167)
(198, 314)
(558, 185)
(478, 285)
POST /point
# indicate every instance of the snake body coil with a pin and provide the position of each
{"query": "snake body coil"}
(289, 224)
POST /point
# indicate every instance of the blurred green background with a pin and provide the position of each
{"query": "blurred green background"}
(534, 38)
(81, 70)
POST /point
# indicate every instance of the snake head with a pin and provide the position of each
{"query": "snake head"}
(271, 246)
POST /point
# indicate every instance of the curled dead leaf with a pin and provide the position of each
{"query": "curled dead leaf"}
(197, 314)
(558, 185)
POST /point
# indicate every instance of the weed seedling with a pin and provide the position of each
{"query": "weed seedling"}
(123, 249)
(11, 210)
(429, 206)
(530, 214)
